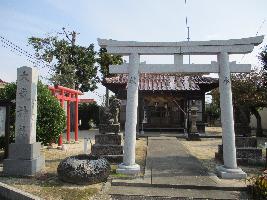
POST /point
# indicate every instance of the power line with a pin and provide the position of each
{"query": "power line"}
(19, 51)
(261, 25)
(188, 30)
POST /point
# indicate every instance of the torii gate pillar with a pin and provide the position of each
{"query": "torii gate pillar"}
(229, 169)
(129, 166)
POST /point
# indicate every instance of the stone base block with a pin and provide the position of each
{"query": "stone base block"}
(248, 153)
(24, 151)
(246, 142)
(20, 167)
(100, 150)
(114, 159)
(193, 137)
(226, 173)
(109, 128)
(128, 169)
(108, 139)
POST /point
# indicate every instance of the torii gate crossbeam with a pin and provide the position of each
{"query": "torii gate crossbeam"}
(221, 48)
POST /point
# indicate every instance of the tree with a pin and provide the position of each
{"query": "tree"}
(263, 60)
(72, 65)
(249, 95)
(105, 59)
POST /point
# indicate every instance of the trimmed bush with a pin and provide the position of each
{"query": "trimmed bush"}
(51, 119)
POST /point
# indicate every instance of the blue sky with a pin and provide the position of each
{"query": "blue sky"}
(141, 20)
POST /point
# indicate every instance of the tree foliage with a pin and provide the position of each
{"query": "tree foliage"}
(50, 116)
(263, 60)
(249, 95)
(72, 65)
(105, 59)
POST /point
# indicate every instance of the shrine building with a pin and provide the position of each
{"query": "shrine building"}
(164, 100)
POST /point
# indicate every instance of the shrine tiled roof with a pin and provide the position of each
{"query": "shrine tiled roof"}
(164, 82)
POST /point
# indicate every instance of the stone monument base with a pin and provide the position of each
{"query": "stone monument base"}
(108, 146)
(24, 160)
(226, 173)
(128, 169)
(193, 137)
(109, 128)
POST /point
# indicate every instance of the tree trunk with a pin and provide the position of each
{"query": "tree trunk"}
(107, 97)
(259, 132)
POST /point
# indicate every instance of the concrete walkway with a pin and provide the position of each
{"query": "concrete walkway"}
(175, 173)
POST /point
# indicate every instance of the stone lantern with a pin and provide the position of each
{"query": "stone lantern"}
(193, 133)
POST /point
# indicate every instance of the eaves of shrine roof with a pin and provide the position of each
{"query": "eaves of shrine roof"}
(164, 82)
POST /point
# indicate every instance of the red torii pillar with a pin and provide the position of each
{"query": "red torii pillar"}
(66, 94)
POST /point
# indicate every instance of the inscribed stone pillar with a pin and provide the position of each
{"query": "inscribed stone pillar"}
(24, 155)
(129, 166)
(229, 169)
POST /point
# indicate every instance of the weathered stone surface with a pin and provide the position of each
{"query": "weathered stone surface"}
(100, 150)
(114, 159)
(108, 139)
(244, 155)
(83, 169)
(24, 157)
(109, 128)
(246, 141)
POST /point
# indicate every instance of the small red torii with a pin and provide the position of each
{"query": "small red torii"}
(70, 95)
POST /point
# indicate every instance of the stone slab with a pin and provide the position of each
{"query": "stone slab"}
(108, 139)
(128, 169)
(246, 142)
(19, 167)
(252, 153)
(109, 128)
(26, 105)
(230, 173)
(114, 158)
(11, 193)
(100, 150)
(24, 151)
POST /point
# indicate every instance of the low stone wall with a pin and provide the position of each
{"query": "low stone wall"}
(10, 193)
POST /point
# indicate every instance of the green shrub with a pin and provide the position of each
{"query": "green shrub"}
(51, 118)
(258, 186)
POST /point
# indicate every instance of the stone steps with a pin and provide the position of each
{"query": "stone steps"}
(247, 152)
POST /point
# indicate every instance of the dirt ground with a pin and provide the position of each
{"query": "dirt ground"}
(46, 184)
(205, 150)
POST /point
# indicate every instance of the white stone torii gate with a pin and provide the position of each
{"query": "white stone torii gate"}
(221, 48)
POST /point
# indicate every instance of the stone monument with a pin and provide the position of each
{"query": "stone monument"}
(193, 133)
(108, 143)
(24, 158)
